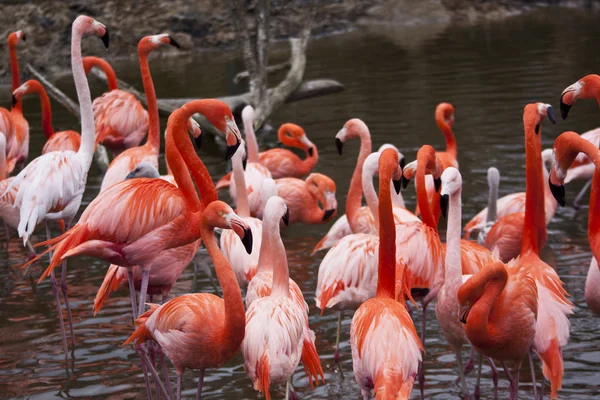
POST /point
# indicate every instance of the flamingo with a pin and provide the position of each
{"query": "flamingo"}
(552, 325)
(587, 87)
(52, 185)
(447, 307)
(357, 218)
(12, 122)
(128, 159)
(565, 150)
(493, 177)
(261, 284)
(303, 197)
(386, 350)
(510, 214)
(499, 307)
(244, 264)
(254, 173)
(90, 62)
(275, 324)
(180, 326)
(56, 141)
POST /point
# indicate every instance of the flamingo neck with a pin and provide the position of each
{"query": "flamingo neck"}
(111, 77)
(243, 210)
(281, 273)
(46, 108)
(153, 122)
(492, 202)
(15, 74)
(265, 259)
(594, 216)
(3, 171)
(354, 198)
(201, 176)
(422, 200)
(251, 142)
(235, 318)
(453, 267)
(370, 195)
(309, 163)
(386, 281)
(534, 230)
(86, 149)
(448, 136)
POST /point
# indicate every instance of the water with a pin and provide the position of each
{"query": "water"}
(394, 79)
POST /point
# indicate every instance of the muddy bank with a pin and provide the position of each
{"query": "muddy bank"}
(206, 24)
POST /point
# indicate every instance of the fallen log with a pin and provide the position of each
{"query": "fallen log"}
(100, 155)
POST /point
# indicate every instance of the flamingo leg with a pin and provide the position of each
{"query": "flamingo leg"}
(200, 382)
(143, 354)
(580, 195)
(494, 377)
(144, 289)
(469, 366)
(179, 376)
(336, 355)
(287, 390)
(132, 293)
(7, 233)
(542, 389)
(461, 374)
(64, 288)
(165, 372)
(421, 369)
(477, 391)
(532, 367)
(57, 299)
(146, 379)
(32, 255)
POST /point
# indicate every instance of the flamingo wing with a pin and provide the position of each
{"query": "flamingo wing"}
(506, 236)
(506, 205)
(338, 230)
(126, 162)
(282, 163)
(121, 120)
(63, 141)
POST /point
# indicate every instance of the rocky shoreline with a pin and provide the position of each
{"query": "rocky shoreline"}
(207, 24)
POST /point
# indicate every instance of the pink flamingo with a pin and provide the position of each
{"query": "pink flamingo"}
(260, 286)
(272, 347)
(55, 141)
(52, 185)
(552, 326)
(12, 122)
(303, 197)
(244, 264)
(201, 330)
(565, 150)
(254, 173)
(386, 350)
(127, 160)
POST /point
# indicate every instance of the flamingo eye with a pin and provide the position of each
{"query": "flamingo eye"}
(221, 213)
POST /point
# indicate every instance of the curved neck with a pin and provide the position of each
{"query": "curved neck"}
(243, 210)
(370, 195)
(453, 268)
(397, 199)
(281, 273)
(3, 172)
(386, 281)
(594, 216)
(106, 68)
(309, 162)
(448, 136)
(235, 318)
(153, 121)
(354, 199)
(492, 202)
(251, 141)
(15, 73)
(534, 230)
(182, 142)
(265, 259)
(86, 149)
(36, 87)
(422, 200)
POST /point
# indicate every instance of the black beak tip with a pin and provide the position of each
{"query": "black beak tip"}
(463, 318)
(14, 100)
(310, 151)
(564, 109)
(198, 141)
(402, 163)
(551, 115)
(558, 191)
(327, 214)
(173, 42)
(397, 185)
(245, 162)
(339, 145)
(444, 205)
(438, 184)
(105, 39)
(24, 38)
(404, 181)
(247, 240)
(286, 217)
(231, 151)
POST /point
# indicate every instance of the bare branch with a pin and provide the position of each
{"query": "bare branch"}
(262, 48)
(271, 69)
(243, 37)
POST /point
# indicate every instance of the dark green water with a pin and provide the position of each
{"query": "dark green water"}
(394, 80)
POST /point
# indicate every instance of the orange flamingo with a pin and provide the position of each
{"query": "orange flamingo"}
(499, 308)
(260, 286)
(55, 141)
(201, 330)
(272, 346)
(552, 326)
(125, 162)
(51, 186)
(565, 149)
(90, 62)
(303, 197)
(587, 87)
(386, 350)
(12, 123)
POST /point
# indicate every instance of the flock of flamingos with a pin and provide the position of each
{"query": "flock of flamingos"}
(495, 293)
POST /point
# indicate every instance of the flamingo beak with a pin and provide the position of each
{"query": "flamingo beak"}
(444, 205)
(558, 191)
(198, 141)
(463, 314)
(564, 107)
(105, 38)
(232, 132)
(130, 175)
(310, 151)
(404, 181)
(437, 182)
(339, 145)
(14, 100)
(245, 161)
(327, 214)
(551, 115)
(397, 184)
(286, 217)
(173, 43)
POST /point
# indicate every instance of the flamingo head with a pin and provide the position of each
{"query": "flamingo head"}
(322, 189)
(276, 208)
(294, 136)
(268, 189)
(587, 87)
(563, 155)
(219, 115)
(143, 170)
(193, 129)
(219, 215)
(20, 91)
(15, 37)
(398, 178)
(89, 26)
(352, 129)
(445, 112)
(534, 113)
(451, 185)
(149, 43)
